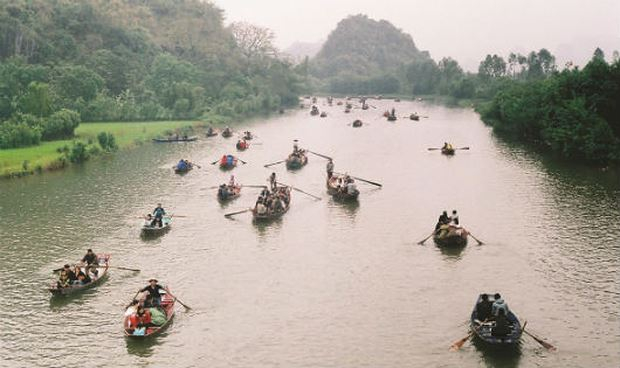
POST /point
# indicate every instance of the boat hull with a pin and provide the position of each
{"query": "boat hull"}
(483, 331)
(104, 259)
(167, 304)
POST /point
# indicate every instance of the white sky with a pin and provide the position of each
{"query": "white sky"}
(465, 30)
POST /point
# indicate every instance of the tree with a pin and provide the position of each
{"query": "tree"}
(492, 67)
(253, 41)
(598, 54)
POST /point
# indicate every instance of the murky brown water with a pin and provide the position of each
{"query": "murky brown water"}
(329, 285)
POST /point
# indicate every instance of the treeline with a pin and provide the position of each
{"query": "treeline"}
(574, 113)
(127, 60)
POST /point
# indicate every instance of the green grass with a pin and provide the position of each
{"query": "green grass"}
(127, 134)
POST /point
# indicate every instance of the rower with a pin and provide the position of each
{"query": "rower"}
(66, 277)
(502, 325)
(182, 165)
(330, 168)
(92, 262)
(159, 213)
(231, 182)
(499, 305)
(443, 220)
(393, 111)
(154, 291)
(295, 148)
(272, 181)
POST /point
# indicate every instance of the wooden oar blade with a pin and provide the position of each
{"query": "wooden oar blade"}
(542, 342)
(236, 213)
(459, 343)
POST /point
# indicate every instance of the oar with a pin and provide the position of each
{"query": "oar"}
(243, 162)
(198, 166)
(542, 342)
(254, 186)
(118, 267)
(132, 299)
(364, 180)
(462, 148)
(215, 162)
(459, 343)
(301, 191)
(425, 239)
(237, 213)
(179, 300)
(275, 163)
(433, 149)
(479, 242)
(181, 216)
(320, 155)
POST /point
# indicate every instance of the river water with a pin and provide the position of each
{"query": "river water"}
(329, 285)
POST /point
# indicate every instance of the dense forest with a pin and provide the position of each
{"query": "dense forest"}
(66, 61)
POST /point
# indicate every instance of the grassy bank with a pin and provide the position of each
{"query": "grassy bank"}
(46, 156)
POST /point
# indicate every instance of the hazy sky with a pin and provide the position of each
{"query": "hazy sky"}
(465, 30)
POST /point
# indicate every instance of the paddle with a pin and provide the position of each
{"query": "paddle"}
(254, 186)
(425, 239)
(459, 343)
(542, 342)
(433, 149)
(462, 148)
(215, 162)
(243, 162)
(181, 216)
(479, 242)
(301, 191)
(132, 299)
(237, 213)
(119, 267)
(179, 300)
(274, 163)
(320, 155)
(364, 180)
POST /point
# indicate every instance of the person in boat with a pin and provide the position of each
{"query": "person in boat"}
(148, 220)
(502, 325)
(140, 319)
(132, 308)
(483, 308)
(454, 219)
(443, 220)
(231, 182)
(393, 112)
(499, 305)
(295, 149)
(223, 191)
(210, 131)
(66, 277)
(272, 181)
(79, 275)
(153, 288)
(182, 165)
(260, 208)
(158, 214)
(330, 168)
(351, 188)
(92, 262)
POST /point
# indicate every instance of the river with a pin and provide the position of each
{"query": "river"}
(329, 285)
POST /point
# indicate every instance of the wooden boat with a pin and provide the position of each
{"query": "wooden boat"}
(175, 139)
(397, 100)
(167, 305)
(227, 133)
(270, 215)
(346, 111)
(104, 265)
(294, 162)
(391, 118)
(339, 103)
(334, 185)
(349, 105)
(448, 151)
(242, 145)
(323, 114)
(357, 123)
(211, 133)
(156, 230)
(459, 239)
(364, 107)
(483, 330)
(228, 162)
(248, 136)
(314, 111)
(414, 117)
(229, 193)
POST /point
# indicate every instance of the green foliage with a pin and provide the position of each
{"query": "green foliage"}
(128, 60)
(78, 153)
(107, 142)
(574, 113)
(60, 125)
(15, 134)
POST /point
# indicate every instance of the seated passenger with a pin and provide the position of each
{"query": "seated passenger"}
(499, 305)
(483, 308)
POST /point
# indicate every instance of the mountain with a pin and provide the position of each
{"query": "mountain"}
(360, 45)
(300, 50)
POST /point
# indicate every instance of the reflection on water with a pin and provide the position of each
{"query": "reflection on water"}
(328, 284)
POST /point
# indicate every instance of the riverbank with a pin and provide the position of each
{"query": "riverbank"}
(47, 156)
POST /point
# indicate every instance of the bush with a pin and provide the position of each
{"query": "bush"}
(78, 153)
(60, 125)
(18, 134)
(107, 142)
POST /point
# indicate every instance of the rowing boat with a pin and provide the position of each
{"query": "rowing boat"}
(228, 193)
(484, 330)
(228, 162)
(391, 118)
(323, 114)
(456, 237)
(148, 229)
(414, 117)
(296, 161)
(166, 306)
(104, 265)
(175, 139)
(227, 133)
(337, 188)
(270, 215)
(357, 123)
(448, 151)
(242, 145)
(179, 169)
